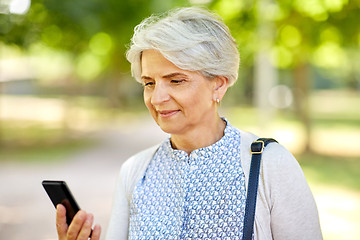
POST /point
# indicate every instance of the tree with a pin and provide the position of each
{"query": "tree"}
(303, 34)
(93, 34)
(304, 30)
(307, 33)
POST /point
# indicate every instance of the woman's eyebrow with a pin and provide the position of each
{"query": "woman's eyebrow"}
(146, 78)
(175, 74)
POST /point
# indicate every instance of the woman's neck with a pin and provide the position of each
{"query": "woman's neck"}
(200, 137)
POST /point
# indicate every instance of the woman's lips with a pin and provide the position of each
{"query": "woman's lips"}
(167, 113)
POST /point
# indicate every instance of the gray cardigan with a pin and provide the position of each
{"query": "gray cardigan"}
(285, 208)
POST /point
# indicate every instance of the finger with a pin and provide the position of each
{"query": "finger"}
(96, 232)
(76, 225)
(86, 228)
(61, 225)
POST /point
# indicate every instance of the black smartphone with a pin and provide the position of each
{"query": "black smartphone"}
(59, 192)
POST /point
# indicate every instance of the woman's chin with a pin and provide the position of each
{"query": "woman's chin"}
(168, 129)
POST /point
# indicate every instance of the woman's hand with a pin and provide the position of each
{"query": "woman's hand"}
(80, 227)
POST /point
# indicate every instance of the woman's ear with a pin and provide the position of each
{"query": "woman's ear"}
(220, 87)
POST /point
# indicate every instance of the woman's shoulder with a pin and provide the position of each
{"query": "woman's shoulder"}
(277, 161)
(247, 137)
(274, 149)
(274, 155)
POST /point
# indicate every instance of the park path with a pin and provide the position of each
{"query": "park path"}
(25, 210)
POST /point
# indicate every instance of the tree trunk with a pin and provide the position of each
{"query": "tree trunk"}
(1, 136)
(113, 91)
(265, 79)
(301, 97)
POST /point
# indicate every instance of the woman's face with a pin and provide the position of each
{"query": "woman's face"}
(180, 101)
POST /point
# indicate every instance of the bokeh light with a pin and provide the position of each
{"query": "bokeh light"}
(280, 96)
(19, 6)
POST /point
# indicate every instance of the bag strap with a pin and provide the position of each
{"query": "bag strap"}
(257, 147)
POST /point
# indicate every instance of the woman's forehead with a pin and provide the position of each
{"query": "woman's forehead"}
(153, 62)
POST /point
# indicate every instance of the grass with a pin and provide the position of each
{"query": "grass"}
(44, 153)
(24, 142)
(332, 171)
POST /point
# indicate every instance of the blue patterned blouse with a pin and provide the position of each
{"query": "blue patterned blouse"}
(196, 196)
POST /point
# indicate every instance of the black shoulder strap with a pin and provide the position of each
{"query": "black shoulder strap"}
(257, 148)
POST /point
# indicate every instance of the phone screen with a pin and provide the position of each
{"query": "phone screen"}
(59, 192)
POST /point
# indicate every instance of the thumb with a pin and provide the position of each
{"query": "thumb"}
(61, 225)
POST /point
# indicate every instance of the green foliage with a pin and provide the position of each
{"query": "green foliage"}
(323, 32)
(81, 27)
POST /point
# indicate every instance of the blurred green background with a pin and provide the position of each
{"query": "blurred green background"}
(64, 76)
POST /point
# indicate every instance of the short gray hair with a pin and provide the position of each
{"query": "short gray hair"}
(192, 38)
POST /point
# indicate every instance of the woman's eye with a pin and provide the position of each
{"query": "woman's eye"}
(148, 84)
(177, 81)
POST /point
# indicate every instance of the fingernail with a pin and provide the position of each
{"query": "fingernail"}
(89, 218)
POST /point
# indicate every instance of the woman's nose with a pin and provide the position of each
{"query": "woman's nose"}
(160, 94)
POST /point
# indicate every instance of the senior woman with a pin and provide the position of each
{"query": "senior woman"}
(193, 185)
